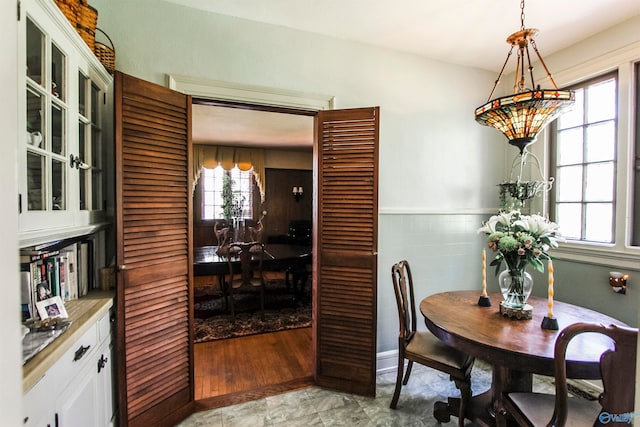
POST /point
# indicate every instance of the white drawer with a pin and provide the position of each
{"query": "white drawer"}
(75, 358)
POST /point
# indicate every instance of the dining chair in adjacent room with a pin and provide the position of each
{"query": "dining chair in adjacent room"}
(222, 234)
(254, 232)
(423, 347)
(618, 372)
(250, 256)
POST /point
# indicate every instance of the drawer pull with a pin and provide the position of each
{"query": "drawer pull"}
(80, 352)
(102, 362)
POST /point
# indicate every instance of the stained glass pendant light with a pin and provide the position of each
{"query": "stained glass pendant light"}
(522, 115)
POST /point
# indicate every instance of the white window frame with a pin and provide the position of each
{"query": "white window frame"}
(619, 254)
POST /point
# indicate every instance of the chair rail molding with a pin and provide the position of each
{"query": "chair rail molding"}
(405, 210)
(261, 95)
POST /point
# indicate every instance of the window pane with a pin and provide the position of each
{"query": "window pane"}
(636, 188)
(570, 147)
(208, 198)
(57, 73)
(35, 182)
(569, 218)
(601, 142)
(57, 129)
(34, 52)
(208, 212)
(575, 116)
(599, 182)
(58, 196)
(82, 94)
(96, 189)
(95, 94)
(601, 102)
(599, 222)
(83, 189)
(35, 105)
(569, 184)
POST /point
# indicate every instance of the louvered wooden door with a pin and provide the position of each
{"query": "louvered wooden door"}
(345, 310)
(153, 229)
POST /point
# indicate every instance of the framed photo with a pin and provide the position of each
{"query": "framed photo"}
(51, 308)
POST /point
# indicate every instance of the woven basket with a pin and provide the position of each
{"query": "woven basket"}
(106, 54)
(86, 25)
(69, 9)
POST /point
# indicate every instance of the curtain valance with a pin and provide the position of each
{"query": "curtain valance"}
(211, 156)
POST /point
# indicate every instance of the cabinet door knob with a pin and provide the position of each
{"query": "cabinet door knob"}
(102, 362)
(122, 267)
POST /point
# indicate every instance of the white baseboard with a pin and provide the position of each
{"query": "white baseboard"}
(386, 361)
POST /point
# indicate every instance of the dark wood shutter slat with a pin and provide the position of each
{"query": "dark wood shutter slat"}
(152, 154)
(346, 309)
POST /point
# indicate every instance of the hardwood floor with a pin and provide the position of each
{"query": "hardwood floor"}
(246, 368)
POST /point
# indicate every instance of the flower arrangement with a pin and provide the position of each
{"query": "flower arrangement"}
(520, 240)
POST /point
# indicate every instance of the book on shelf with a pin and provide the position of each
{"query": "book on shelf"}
(71, 270)
(47, 274)
(83, 269)
(26, 294)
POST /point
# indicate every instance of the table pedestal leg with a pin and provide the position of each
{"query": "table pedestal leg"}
(486, 409)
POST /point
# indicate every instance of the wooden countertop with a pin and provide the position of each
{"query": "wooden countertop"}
(83, 313)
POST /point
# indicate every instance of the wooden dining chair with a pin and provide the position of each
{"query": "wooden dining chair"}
(250, 256)
(618, 371)
(424, 348)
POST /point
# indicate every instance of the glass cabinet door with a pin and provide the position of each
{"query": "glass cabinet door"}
(46, 112)
(89, 145)
(63, 116)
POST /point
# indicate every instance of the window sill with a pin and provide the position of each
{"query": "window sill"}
(599, 254)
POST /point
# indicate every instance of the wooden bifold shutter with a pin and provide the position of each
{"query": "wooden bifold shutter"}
(346, 248)
(153, 256)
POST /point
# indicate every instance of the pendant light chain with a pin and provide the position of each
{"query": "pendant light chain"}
(522, 15)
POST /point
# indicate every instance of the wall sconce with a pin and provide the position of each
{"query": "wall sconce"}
(297, 192)
(618, 282)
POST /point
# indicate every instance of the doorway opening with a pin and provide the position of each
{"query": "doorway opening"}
(233, 370)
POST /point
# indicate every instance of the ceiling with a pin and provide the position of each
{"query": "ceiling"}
(241, 127)
(466, 32)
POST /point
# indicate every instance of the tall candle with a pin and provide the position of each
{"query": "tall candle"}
(484, 273)
(550, 292)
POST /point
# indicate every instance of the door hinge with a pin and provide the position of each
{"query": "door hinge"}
(19, 7)
(104, 98)
(19, 203)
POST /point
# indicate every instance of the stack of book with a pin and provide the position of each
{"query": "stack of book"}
(49, 273)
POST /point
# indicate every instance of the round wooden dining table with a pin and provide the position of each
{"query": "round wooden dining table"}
(516, 349)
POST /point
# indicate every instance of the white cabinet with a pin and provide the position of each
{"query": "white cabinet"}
(77, 389)
(63, 103)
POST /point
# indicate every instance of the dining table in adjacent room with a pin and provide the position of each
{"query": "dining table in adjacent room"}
(291, 258)
(514, 348)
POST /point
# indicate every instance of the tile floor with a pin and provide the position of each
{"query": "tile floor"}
(314, 406)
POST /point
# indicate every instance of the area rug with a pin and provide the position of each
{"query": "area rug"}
(213, 321)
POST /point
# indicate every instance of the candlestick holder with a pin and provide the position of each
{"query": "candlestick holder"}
(484, 301)
(549, 323)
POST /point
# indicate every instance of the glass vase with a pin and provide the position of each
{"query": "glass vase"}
(516, 285)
